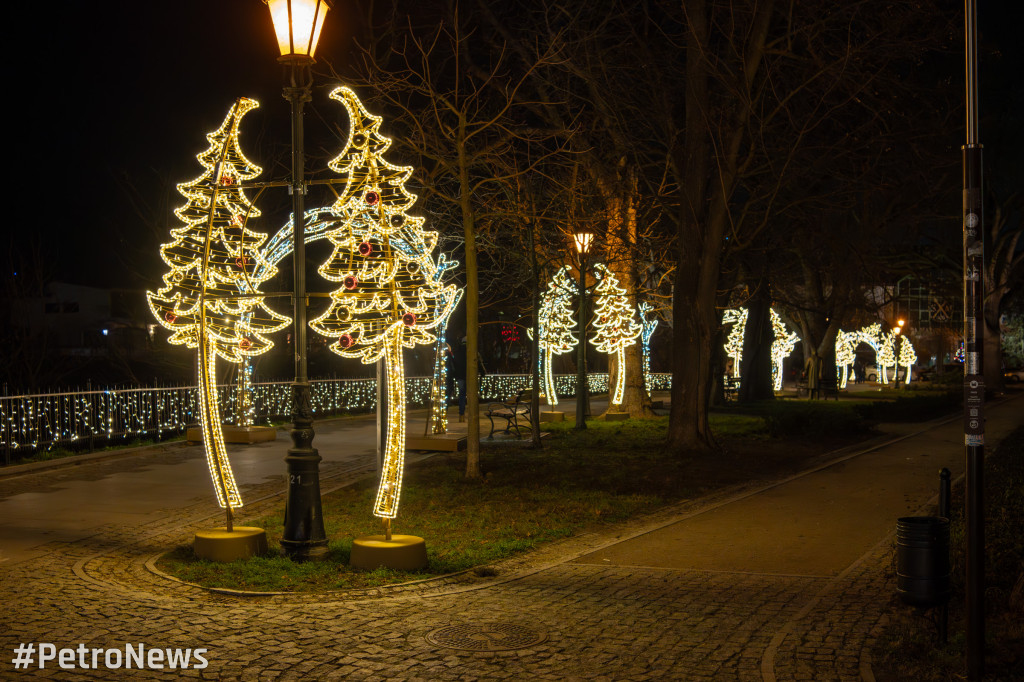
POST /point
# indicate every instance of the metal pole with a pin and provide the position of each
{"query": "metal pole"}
(974, 380)
(581, 350)
(303, 536)
(944, 495)
(944, 492)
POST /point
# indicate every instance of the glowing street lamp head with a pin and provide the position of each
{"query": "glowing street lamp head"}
(297, 24)
(583, 241)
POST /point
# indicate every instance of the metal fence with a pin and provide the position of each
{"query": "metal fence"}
(85, 420)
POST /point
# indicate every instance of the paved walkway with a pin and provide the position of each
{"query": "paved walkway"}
(776, 583)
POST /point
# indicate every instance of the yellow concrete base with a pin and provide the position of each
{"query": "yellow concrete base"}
(217, 544)
(401, 553)
(236, 434)
(616, 416)
(552, 416)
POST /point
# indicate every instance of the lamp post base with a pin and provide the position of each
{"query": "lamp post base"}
(304, 537)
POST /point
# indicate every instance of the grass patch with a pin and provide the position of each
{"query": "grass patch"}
(908, 650)
(813, 418)
(579, 481)
(915, 407)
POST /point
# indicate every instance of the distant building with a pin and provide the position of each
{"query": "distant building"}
(81, 320)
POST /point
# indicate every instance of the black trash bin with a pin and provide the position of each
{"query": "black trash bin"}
(922, 560)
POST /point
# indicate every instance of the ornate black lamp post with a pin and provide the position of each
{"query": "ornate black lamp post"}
(297, 24)
(583, 242)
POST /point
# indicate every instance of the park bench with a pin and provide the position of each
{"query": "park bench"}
(824, 391)
(731, 388)
(515, 412)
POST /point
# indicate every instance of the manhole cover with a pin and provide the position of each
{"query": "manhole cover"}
(486, 637)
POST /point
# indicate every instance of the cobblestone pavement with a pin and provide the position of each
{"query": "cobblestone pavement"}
(597, 622)
(574, 620)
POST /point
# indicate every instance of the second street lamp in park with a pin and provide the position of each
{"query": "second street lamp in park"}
(583, 241)
(297, 24)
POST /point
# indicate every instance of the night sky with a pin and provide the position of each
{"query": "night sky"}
(120, 115)
(117, 98)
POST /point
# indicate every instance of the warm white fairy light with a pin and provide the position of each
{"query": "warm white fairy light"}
(886, 356)
(556, 320)
(846, 346)
(390, 294)
(46, 421)
(907, 356)
(210, 297)
(784, 341)
(737, 317)
(872, 336)
(783, 345)
(615, 328)
(650, 323)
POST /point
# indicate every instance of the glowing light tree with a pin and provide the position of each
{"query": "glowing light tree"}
(556, 321)
(650, 323)
(391, 295)
(210, 298)
(783, 345)
(737, 317)
(887, 355)
(437, 420)
(907, 356)
(614, 326)
(846, 346)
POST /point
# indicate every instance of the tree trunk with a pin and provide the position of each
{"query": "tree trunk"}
(620, 202)
(756, 366)
(472, 315)
(692, 335)
(213, 435)
(390, 488)
(535, 281)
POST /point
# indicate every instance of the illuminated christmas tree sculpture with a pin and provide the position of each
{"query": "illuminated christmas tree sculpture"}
(615, 328)
(907, 356)
(556, 322)
(391, 295)
(737, 317)
(437, 420)
(650, 323)
(210, 298)
(846, 346)
(783, 345)
(886, 356)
